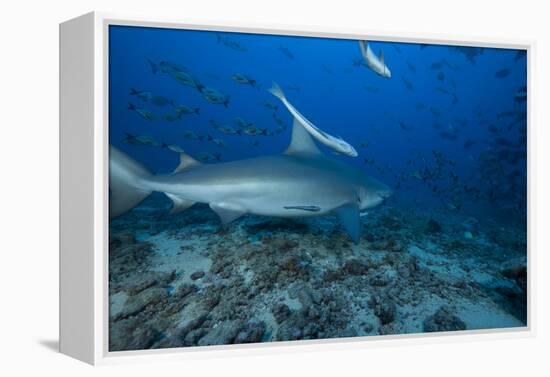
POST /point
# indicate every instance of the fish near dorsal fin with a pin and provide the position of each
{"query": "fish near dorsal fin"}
(301, 142)
(381, 57)
(186, 162)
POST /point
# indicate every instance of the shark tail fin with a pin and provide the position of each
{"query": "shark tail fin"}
(277, 91)
(126, 176)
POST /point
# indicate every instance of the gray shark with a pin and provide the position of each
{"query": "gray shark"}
(375, 63)
(297, 183)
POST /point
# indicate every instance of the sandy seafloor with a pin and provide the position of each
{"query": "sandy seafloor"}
(184, 280)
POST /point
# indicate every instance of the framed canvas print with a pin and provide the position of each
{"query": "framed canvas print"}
(226, 187)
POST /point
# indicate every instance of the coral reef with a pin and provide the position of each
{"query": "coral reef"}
(184, 280)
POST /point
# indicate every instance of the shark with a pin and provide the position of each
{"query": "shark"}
(335, 143)
(300, 182)
(375, 63)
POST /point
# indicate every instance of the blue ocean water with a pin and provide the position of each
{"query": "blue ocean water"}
(401, 119)
(447, 132)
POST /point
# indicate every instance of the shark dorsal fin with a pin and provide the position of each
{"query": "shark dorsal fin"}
(301, 142)
(382, 56)
(186, 162)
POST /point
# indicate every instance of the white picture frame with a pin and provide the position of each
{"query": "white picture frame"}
(84, 189)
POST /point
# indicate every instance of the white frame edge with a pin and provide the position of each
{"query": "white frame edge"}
(84, 118)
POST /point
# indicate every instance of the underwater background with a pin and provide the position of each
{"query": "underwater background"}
(447, 132)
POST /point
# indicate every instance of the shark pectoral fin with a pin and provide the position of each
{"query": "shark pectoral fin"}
(361, 214)
(179, 204)
(226, 212)
(301, 142)
(186, 162)
(381, 57)
(349, 216)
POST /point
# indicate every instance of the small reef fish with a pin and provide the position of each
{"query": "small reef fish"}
(469, 143)
(453, 206)
(293, 87)
(277, 119)
(375, 63)
(463, 122)
(279, 130)
(494, 129)
(149, 97)
(176, 72)
(286, 52)
(207, 157)
(326, 69)
(521, 94)
(435, 111)
(502, 73)
(336, 144)
(161, 101)
(436, 66)
(241, 123)
(454, 67)
(145, 114)
(254, 131)
(404, 126)
(140, 140)
(227, 42)
(271, 106)
(214, 96)
(173, 147)
(185, 110)
(371, 89)
(412, 67)
(448, 135)
(245, 80)
(166, 67)
(417, 175)
(447, 92)
(223, 128)
(520, 54)
(186, 79)
(219, 142)
(192, 135)
(509, 113)
(171, 117)
(470, 53)
(407, 83)
(144, 96)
